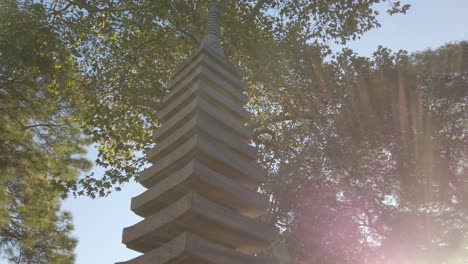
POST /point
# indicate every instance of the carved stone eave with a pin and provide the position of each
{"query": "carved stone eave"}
(201, 204)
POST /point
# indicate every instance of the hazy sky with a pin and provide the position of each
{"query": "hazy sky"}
(99, 223)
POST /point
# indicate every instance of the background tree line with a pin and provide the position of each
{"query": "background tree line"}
(368, 157)
(362, 153)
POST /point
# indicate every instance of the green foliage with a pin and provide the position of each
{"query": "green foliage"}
(75, 72)
(367, 157)
(38, 142)
(127, 50)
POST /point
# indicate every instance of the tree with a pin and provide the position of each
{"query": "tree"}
(126, 52)
(101, 68)
(368, 157)
(39, 142)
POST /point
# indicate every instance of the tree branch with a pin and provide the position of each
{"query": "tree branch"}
(40, 125)
(283, 118)
(255, 11)
(121, 8)
(180, 29)
(188, 34)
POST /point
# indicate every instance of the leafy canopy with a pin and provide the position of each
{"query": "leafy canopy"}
(127, 50)
(367, 156)
(39, 141)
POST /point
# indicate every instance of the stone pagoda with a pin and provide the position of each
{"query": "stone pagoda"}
(201, 205)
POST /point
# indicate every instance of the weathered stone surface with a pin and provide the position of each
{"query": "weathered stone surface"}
(204, 67)
(196, 215)
(218, 158)
(203, 124)
(220, 67)
(209, 92)
(212, 38)
(190, 249)
(201, 205)
(199, 105)
(208, 183)
(221, 61)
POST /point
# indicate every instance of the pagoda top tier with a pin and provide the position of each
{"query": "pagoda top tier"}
(212, 38)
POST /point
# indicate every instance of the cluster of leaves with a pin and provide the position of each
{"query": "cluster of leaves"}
(75, 72)
(368, 155)
(39, 143)
(126, 52)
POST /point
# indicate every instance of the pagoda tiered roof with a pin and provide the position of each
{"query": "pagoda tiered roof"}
(201, 204)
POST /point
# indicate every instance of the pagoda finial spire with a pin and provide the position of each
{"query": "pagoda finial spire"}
(212, 38)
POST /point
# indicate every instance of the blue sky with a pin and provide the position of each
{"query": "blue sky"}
(99, 223)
